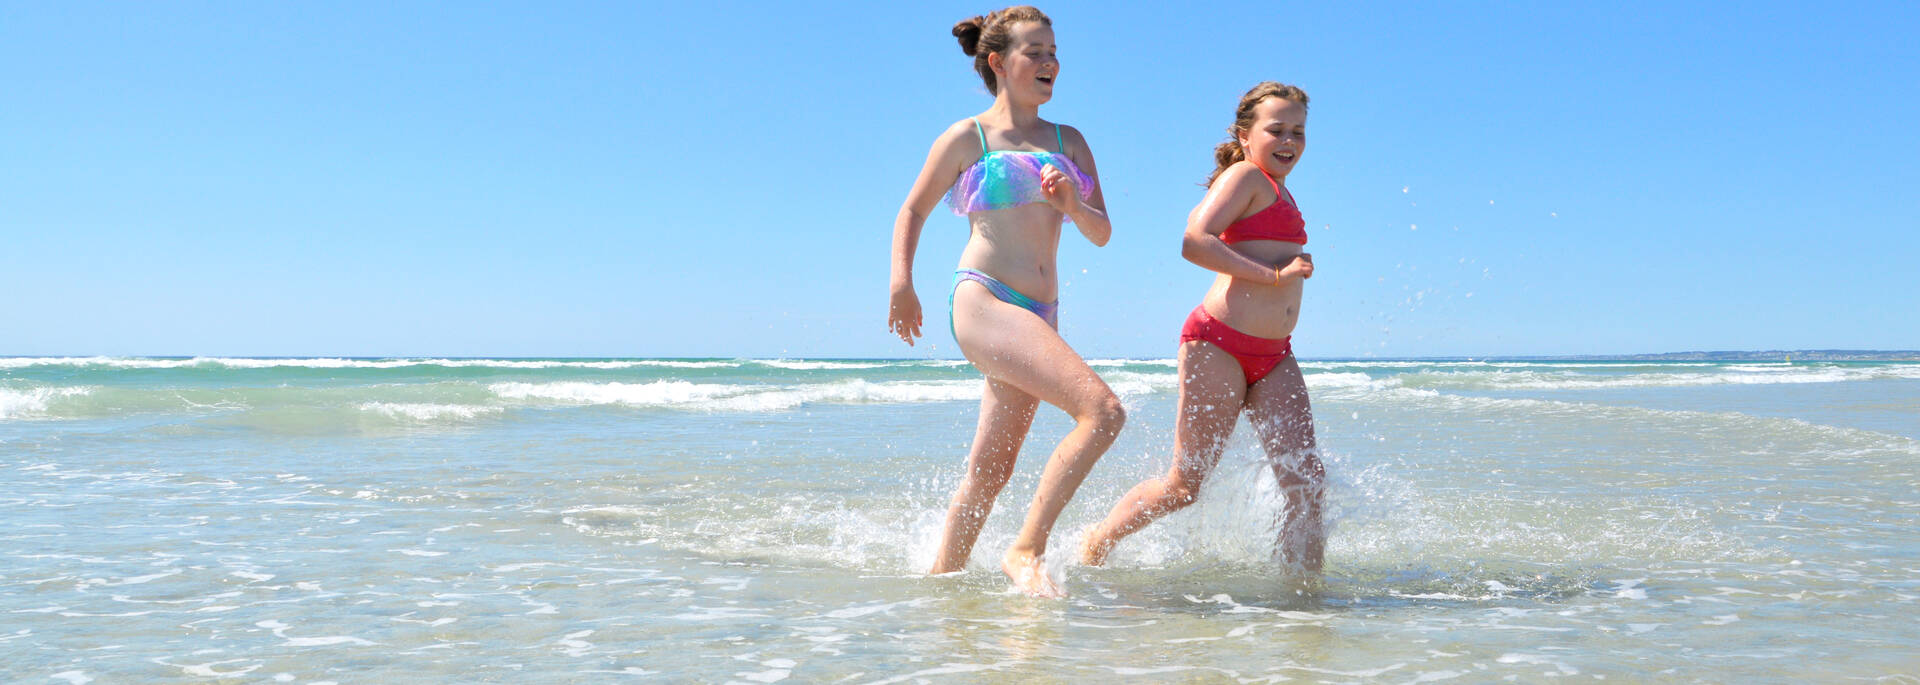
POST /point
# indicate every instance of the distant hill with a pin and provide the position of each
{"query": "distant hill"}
(1773, 355)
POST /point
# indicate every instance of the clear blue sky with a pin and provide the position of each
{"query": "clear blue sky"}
(720, 179)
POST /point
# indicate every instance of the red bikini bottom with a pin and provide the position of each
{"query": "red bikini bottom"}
(1257, 356)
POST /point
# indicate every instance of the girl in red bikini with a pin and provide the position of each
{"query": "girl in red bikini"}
(1236, 352)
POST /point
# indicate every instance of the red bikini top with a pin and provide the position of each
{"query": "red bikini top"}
(1279, 221)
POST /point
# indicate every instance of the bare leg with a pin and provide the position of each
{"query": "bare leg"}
(1011, 345)
(1005, 415)
(1212, 387)
(1281, 414)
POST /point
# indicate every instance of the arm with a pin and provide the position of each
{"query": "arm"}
(1090, 215)
(945, 161)
(1225, 203)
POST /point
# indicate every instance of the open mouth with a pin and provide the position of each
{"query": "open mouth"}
(1284, 157)
(1045, 79)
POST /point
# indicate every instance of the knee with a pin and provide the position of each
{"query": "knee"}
(1180, 492)
(1106, 415)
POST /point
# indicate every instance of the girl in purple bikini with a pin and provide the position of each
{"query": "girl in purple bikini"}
(1015, 177)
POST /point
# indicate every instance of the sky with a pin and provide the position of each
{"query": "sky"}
(720, 179)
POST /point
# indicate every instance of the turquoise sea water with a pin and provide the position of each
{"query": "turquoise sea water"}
(356, 520)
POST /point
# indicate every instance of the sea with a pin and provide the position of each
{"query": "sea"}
(317, 520)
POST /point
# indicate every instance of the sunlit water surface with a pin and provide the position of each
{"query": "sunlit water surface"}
(759, 521)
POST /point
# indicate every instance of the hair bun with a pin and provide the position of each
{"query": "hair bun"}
(968, 31)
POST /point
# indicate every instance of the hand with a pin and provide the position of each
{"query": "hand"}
(1061, 193)
(1300, 266)
(903, 315)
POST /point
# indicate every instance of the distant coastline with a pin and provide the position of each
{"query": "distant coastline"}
(1760, 356)
(1710, 356)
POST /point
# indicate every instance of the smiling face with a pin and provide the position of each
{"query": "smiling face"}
(1027, 70)
(1277, 137)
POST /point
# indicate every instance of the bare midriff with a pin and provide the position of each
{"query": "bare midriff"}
(1259, 309)
(1017, 246)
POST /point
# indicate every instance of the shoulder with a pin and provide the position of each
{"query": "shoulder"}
(1074, 141)
(958, 142)
(961, 131)
(1241, 177)
(1076, 148)
(964, 126)
(1243, 187)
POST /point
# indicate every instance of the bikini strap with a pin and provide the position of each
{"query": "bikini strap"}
(1278, 194)
(1057, 143)
(983, 135)
(1270, 181)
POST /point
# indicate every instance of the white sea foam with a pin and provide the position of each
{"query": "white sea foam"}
(737, 397)
(658, 393)
(870, 609)
(345, 363)
(1575, 382)
(32, 402)
(1100, 363)
(1834, 437)
(429, 412)
(1553, 378)
(680, 364)
(25, 362)
(1128, 383)
(207, 670)
(1383, 364)
(570, 364)
(280, 631)
(803, 365)
(1340, 380)
(328, 641)
(1133, 383)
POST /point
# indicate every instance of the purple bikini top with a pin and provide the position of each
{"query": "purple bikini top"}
(1011, 178)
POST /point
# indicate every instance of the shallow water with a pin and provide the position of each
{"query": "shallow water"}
(754, 521)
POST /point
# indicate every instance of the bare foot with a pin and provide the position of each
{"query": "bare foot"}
(1094, 548)
(1029, 574)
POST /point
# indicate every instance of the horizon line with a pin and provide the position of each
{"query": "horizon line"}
(1468, 357)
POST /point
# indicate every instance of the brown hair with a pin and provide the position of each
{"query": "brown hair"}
(1225, 154)
(991, 33)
